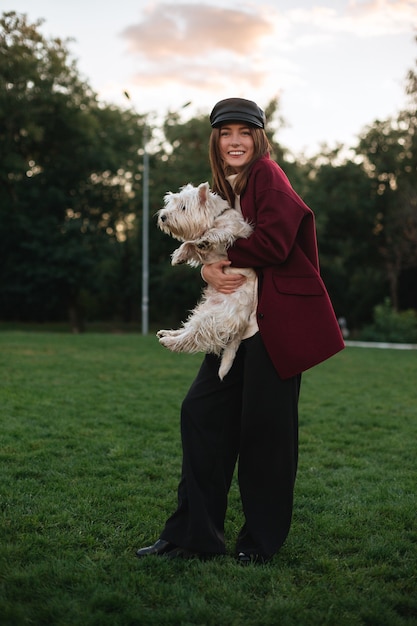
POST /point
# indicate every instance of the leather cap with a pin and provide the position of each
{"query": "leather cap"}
(237, 110)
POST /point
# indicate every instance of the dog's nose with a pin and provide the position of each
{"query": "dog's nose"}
(163, 218)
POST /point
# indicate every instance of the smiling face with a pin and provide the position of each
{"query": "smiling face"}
(236, 145)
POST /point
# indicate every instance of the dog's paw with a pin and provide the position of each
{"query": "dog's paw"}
(167, 336)
(183, 254)
(178, 257)
(168, 341)
(203, 244)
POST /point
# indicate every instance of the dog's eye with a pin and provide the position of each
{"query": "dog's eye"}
(183, 207)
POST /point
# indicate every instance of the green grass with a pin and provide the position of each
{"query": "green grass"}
(90, 460)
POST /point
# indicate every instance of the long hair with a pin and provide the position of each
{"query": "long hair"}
(220, 170)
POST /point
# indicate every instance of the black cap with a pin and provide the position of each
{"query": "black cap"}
(237, 110)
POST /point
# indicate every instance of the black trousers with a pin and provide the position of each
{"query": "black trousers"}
(251, 417)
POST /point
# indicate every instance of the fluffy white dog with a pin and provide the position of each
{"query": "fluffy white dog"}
(207, 226)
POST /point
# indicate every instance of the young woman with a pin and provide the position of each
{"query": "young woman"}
(251, 417)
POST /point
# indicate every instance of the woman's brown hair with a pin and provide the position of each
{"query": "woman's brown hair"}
(220, 170)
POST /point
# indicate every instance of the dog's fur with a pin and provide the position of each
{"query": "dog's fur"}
(207, 226)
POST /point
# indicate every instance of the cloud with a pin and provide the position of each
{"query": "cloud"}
(200, 45)
(206, 47)
(182, 30)
(364, 18)
(382, 17)
(201, 74)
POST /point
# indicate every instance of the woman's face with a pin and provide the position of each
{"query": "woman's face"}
(236, 145)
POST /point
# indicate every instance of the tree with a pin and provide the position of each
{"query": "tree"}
(340, 194)
(181, 157)
(69, 172)
(389, 151)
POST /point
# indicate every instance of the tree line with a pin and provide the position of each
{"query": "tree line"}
(71, 188)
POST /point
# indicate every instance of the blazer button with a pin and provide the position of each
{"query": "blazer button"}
(261, 316)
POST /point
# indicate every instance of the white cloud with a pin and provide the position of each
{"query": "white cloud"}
(200, 46)
(382, 17)
(181, 30)
(206, 45)
(361, 18)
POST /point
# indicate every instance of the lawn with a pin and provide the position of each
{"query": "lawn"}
(90, 459)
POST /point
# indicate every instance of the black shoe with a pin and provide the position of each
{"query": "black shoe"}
(245, 558)
(182, 553)
(159, 548)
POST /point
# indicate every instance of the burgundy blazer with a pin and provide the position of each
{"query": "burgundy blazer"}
(295, 316)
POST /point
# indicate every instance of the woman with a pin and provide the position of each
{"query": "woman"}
(251, 417)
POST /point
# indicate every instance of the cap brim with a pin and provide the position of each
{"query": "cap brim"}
(247, 119)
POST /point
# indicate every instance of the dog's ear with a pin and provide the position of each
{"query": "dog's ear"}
(203, 192)
(168, 197)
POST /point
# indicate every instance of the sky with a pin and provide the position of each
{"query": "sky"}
(335, 65)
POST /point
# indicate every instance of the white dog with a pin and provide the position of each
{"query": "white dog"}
(208, 226)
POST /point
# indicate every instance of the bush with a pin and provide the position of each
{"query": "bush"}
(391, 326)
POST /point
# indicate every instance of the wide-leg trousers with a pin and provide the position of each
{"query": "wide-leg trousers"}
(251, 417)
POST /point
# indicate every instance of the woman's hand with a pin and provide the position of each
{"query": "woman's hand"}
(214, 275)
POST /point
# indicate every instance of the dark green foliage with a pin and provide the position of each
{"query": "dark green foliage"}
(389, 150)
(341, 197)
(65, 188)
(391, 325)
